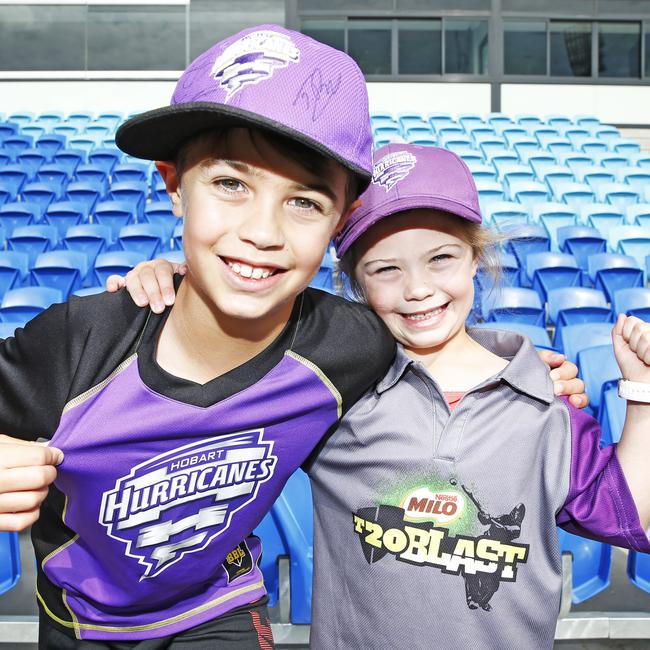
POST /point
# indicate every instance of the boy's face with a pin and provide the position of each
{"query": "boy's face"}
(417, 273)
(256, 224)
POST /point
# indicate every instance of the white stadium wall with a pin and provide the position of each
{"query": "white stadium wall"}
(612, 104)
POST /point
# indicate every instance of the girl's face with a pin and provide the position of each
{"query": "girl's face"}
(417, 274)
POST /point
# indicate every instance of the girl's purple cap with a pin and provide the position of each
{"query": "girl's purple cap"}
(267, 77)
(407, 177)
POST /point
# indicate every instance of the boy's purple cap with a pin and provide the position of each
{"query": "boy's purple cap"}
(268, 77)
(407, 177)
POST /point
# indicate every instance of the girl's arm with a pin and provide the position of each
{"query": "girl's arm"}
(631, 338)
(152, 283)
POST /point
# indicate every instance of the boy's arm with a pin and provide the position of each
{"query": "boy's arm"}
(609, 489)
(152, 283)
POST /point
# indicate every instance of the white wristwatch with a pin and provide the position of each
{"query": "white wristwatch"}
(635, 391)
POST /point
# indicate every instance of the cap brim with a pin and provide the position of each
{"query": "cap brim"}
(158, 134)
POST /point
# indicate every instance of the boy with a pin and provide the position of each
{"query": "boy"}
(179, 430)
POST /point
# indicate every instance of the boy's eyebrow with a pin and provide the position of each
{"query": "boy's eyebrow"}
(241, 167)
(315, 187)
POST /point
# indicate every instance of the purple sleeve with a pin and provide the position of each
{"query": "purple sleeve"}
(599, 504)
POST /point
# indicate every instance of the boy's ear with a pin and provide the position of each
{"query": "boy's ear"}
(167, 170)
(347, 214)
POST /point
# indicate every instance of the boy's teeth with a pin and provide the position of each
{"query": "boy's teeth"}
(246, 271)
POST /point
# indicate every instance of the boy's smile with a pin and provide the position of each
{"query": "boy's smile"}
(256, 224)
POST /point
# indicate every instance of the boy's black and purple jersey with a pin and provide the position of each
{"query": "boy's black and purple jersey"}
(147, 529)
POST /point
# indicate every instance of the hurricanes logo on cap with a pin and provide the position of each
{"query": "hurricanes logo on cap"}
(252, 59)
(392, 168)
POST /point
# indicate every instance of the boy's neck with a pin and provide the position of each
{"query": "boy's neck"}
(200, 343)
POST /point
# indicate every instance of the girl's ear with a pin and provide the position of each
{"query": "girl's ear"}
(167, 170)
(474, 266)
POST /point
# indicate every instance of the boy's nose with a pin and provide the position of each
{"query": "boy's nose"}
(261, 228)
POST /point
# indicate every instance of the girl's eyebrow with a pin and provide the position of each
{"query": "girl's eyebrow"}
(392, 260)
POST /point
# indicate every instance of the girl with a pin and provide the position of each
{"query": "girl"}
(437, 497)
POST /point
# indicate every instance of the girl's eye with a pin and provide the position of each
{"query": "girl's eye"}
(440, 258)
(231, 185)
(304, 204)
(386, 269)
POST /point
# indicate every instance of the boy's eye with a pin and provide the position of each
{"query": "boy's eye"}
(230, 184)
(304, 204)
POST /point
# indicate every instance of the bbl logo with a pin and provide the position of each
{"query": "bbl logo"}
(179, 501)
(253, 58)
(392, 168)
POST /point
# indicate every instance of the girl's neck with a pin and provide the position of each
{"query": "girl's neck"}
(199, 343)
(460, 363)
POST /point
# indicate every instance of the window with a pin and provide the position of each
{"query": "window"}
(130, 37)
(419, 46)
(466, 46)
(524, 48)
(647, 50)
(42, 37)
(570, 49)
(619, 49)
(369, 45)
(331, 32)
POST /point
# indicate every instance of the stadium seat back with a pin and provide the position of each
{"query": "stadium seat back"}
(575, 338)
(9, 558)
(597, 366)
(24, 303)
(120, 262)
(63, 270)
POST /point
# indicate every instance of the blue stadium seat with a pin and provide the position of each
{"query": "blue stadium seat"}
(574, 305)
(489, 192)
(636, 159)
(606, 132)
(54, 175)
(90, 239)
(70, 159)
(524, 240)
(480, 170)
(5, 159)
(80, 118)
(472, 156)
(634, 302)
(97, 130)
(612, 271)
(25, 303)
(31, 160)
(592, 146)
(16, 214)
(581, 242)
(575, 338)
(130, 191)
(21, 118)
(591, 565)
(160, 214)
(144, 238)
(68, 130)
(610, 161)
(512, 304)
(575, 194)
(115, 262)
(556, 144)
(14, 267)
(597, 367)
(638, 214)
(14, 144)
(88, 291)
(537, 334)
(529, 193)
(638, 570)
(523, 145)
(50, 144)
(39, 194)
(554, 175)
(7, 129)
(6, 330)
(588, 121)
(63, 270)
(9, 557)
(602, 216)
(625, 146)
(85, 142)
(177, 236)
(515, 172)
(499, 118)
(50, 117)
(637, 177)
(33, 240)
(506, 214)
(130, 172)
(94, 174)
(33, 131)
(633, 241)
(595, 176)
(12, 179)
(492, 144)
(115, 215)
(554, 216)
(528, 119)
(618, 194)
(106, 157)
(114, 118)
(64, 214)
(83, 192)
(542, 132)
(511, 132)
(549, 270)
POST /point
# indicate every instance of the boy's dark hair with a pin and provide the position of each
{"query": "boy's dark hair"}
(311, 160)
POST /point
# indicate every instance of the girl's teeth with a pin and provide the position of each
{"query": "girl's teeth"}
(428, 314)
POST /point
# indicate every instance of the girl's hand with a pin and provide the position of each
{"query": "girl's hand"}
(631, 339)
(565, 378)
(149, 283)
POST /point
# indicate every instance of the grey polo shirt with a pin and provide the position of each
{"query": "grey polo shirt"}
(435, 529)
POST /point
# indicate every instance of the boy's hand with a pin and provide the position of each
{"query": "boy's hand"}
(149, 283)
(26, 471)
(631, 339)
(565, 378)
